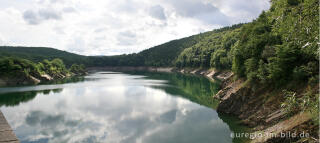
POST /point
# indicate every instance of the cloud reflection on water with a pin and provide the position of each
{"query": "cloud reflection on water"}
(118, 108)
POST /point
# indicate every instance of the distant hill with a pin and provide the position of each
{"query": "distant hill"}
(162, 55)
(38, 54)
(166, 54)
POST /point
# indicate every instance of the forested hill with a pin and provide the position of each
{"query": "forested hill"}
(164, 55)
(38, 54)
(279, 46)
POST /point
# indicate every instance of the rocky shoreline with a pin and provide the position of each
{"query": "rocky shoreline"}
(32, 80)
(253, 105)
(258, 110)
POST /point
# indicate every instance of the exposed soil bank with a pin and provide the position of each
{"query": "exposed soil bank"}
(22, 79)
(125, 68)
(209, 73)
(259, 107)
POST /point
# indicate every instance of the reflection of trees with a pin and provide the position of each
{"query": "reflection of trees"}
(15, 98)
(195, 88)
(235, 126)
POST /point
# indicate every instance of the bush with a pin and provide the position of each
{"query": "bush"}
(314, 109)
(291, 105)
(77, 69)
(307, 103)
(16, 66)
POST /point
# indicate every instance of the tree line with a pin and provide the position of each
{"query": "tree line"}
(279, 46)
(19, 67)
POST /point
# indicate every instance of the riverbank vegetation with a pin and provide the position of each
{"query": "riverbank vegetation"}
(278, 51)
(279, 46)
(22, 71)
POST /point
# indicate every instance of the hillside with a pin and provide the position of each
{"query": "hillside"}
(163, 55)
(274, 61)
(38, 54)
(279, 46)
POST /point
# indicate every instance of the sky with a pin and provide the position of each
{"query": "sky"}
(113, 27)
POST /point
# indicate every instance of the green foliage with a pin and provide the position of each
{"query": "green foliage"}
(281, 45)
(213, 50)
(293, 2)
(78, 69)
(291, 105)
(314, 109)
(38, 54)
(54, 68)
(219, 59)
(281, 66)
(307, 103)
(17, 67)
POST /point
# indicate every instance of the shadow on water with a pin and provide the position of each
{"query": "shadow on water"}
(236, 127)
(9, 96)
(197, 89)
(15, 98)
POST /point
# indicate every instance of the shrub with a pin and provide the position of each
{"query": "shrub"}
(307, 103)
(291, 104)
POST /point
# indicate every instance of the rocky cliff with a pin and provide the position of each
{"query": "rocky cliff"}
(258, 106)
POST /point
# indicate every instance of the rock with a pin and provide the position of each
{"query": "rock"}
(283, 127)
(46, 77)
(224, 75)
(164, 69)
(233, 101)
(239, 100)
(194, 71)
(34, 80)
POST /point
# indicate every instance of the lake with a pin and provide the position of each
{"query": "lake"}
(112, 107)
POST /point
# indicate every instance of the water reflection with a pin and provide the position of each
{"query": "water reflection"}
(195, 88)
(119, 108)
(15, 98)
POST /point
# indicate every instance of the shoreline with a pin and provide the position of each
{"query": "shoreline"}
(253, 106)
(31, 80)
(262, 117)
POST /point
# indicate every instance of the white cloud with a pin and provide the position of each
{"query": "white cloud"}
(93, 27)
(2, 40)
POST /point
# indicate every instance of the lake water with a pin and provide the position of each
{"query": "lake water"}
(112, 107)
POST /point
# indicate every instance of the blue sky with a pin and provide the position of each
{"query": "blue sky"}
(111, 27)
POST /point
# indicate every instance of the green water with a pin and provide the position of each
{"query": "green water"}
(115, 107)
